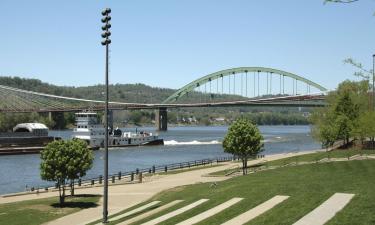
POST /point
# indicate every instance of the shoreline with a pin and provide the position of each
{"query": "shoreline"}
(41, 190)
(124, 196)
(267, 157)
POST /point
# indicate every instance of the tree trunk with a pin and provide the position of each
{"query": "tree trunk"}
(62, 196)
(72, 187)
(243, 166)
(60, 200)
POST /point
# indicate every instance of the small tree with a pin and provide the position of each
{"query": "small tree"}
(339, 119)
(81, 160)
(324, 129)
(64, 160)
(243, 140)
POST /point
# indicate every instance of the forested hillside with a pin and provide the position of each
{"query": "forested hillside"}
(141, 93)
(118, 92)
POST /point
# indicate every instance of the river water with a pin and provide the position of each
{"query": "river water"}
(181, 144)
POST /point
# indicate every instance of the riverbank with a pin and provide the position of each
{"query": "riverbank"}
(328, 191)
(21, 172)
(124, 196)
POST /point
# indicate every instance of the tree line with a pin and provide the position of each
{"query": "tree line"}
(349, 116)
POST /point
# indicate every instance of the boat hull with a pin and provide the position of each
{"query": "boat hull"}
(149, 143)
(155, 142)
(15, 144)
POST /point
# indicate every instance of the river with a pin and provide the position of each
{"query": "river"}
(181, 144)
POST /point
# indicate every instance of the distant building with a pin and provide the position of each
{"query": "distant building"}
(219, 119)
(37, 129)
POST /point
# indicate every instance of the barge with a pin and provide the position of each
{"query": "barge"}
(26, 138)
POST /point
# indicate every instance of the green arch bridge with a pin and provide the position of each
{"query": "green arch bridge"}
(241, 86)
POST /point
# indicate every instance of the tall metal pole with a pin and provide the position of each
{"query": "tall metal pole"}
(373, 81)
(106, 42)
(105, 199)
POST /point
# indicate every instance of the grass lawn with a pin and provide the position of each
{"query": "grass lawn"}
(43, 210)
(319, 155)
(307, 185)
(237, 169)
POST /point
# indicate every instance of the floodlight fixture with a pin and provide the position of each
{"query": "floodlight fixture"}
(106, 26)
(106, 11)
(106, 19)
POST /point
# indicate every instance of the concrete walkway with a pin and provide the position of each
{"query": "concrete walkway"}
(124, 196)
(326, 211)
(134, 211)
(150, 213)
(258, 210)
(208, 213)
(176, 212)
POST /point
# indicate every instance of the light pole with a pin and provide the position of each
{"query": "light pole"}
(106, 41)
(373, 82)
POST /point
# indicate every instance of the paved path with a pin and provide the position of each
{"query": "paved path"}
(258, 210)
(134, 211)
(208, 213)
(175, 213)
(150, 213)
(326, 211)
(124, 196)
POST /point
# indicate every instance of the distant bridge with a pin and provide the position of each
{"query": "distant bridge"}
(243, 86)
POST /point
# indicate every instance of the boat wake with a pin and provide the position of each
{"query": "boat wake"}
(213, 142)
(273, 140)
(195, 142)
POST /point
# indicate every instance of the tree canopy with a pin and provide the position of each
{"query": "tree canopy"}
(347, 116)
(243, 140)
(63, 161)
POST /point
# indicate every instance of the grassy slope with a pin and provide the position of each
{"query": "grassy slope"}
(313, 157)
(319, 156)
(307, 185)
(43, 210)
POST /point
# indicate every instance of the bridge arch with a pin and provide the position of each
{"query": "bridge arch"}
(223, 73)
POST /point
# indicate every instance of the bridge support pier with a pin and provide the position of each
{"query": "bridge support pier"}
(58, 119)
(110, 119)
(161, 119)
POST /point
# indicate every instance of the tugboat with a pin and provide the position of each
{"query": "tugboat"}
(89, 129)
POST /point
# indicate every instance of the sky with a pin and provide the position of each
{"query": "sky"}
(169, 43)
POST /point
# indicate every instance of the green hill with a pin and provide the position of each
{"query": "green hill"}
(118, 92)
(142, 93)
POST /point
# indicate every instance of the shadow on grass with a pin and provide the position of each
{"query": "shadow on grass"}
(76, 202)
(256, 165)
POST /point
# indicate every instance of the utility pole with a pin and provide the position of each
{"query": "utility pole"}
(106, 18)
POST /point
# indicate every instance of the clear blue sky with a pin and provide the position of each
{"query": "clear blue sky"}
(169, 43)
